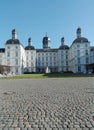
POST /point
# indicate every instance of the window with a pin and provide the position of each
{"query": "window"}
(16, 70)
(31, 64)
(31, 57)
(46, 58)
(46, 63)
(8, 47)
(54, 58)
(79, 68)
(78, 52)
(87, 60)
(42, 58)
(66, 62)
(78, 45)
(39, 59)
(8, 54)
(78, 60)
(27, 64)
(16, 61)
(16, 47)
(50, 58)
(66, 56)
(42, 64)
(66, 52)
(86, 45)
(16, 53)
(8, 62)
(86, 52)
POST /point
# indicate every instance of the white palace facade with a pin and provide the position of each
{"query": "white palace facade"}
(78, 58)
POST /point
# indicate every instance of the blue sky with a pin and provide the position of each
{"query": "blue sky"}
(59, 18)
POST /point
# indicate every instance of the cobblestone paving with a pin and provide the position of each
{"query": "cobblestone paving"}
(47, 104)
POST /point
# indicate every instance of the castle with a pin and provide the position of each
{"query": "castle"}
(78, 58)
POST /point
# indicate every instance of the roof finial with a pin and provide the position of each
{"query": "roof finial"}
(46, 34)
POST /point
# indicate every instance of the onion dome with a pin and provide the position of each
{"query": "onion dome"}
(2, 50)
(30, 46)
(92, 48)
(46, 40)
(63, 46)
(81, 39)
(13, 41)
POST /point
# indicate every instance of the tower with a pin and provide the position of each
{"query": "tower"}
(14, 34)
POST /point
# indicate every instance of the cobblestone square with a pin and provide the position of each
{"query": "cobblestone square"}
(47, 104)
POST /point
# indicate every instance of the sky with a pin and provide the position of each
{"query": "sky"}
(59, 18)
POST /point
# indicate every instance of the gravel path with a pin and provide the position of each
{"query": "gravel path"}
(47, 104)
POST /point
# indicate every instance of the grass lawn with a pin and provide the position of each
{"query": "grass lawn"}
(30, 76)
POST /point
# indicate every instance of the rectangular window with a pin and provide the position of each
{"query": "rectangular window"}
(31, 64)
(42, 64)
(16, 53)
(87, 60)
(78, 45)
(42, 58)
(46, 58)
(39, 59)
(8, 47)
(66, 56)
(27, 64)
(16, 70)
(8, 62)
(78, 60)
(54, 58)
(78, 52)
(31, 57)
(16, 47)
(79, 68)
(86, 52)
(50, 58)
(8, 54)
(16, 61)
(66, 62)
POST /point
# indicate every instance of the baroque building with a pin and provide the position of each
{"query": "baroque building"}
(78, 58)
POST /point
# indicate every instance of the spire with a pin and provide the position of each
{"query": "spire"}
(46, 34)
(78, 32)
(14, 34)
(62, 41)
(29, 41)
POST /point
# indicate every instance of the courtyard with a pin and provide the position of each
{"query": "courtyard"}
(47, 104)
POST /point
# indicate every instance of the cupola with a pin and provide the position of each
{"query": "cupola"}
(46, 42)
